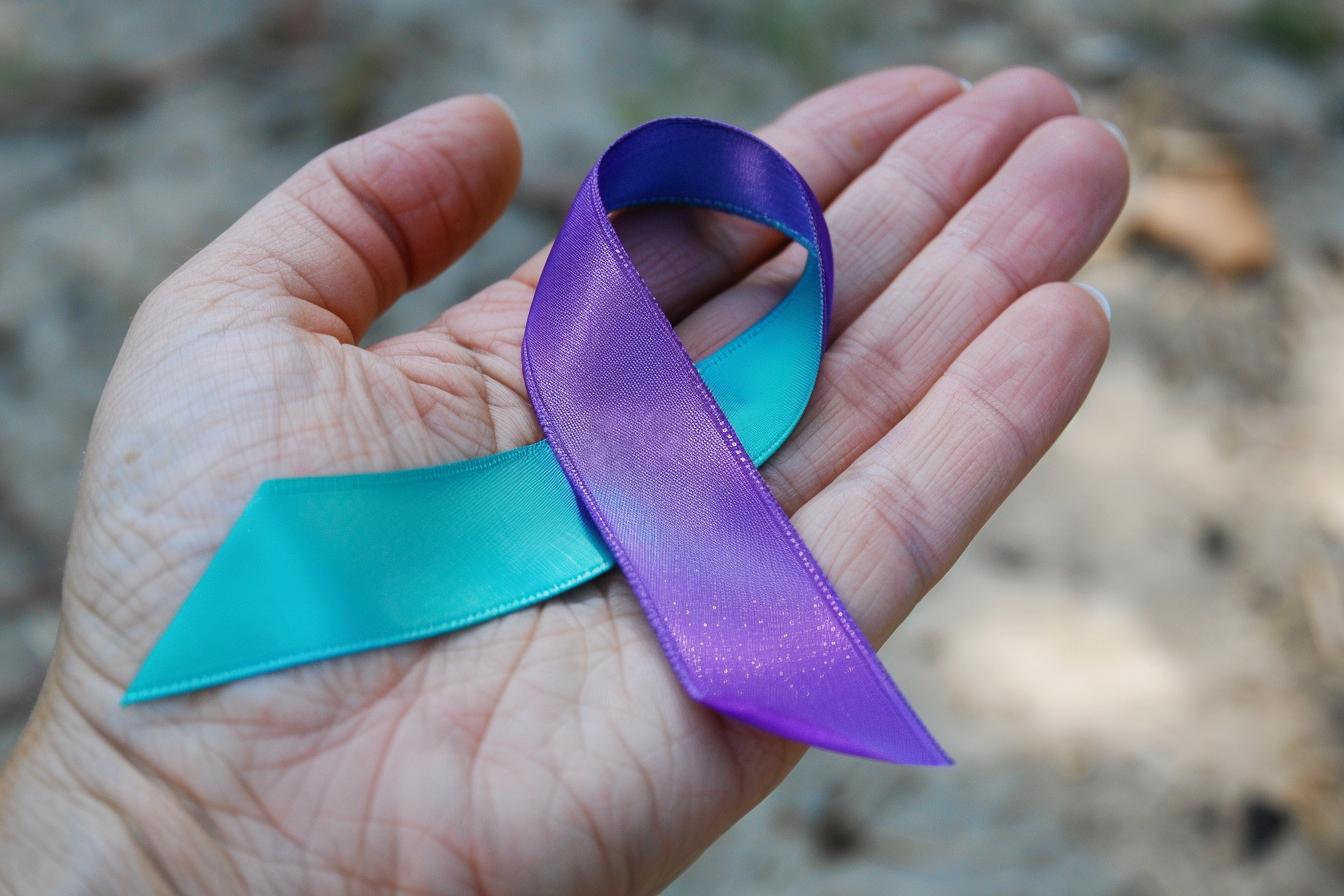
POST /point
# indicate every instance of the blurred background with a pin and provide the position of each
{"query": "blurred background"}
(1139, 664)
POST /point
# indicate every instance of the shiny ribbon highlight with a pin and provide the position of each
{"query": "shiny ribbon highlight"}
(650, 462)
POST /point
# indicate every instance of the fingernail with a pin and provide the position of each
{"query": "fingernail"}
(1096, 294)
(1115, 129)
(1077, 97)
(965, 83)
(508, 110)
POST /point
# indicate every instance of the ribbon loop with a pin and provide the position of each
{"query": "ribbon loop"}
(650, 461)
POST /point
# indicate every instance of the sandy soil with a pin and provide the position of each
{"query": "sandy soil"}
(1139, 664)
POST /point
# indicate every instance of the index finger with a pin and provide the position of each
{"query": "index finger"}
(687, 255)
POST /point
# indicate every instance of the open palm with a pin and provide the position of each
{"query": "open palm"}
(551, 750)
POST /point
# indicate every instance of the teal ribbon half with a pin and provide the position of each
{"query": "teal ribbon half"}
(319, 567)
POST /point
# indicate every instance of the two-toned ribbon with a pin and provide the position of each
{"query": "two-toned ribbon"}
(649, 462)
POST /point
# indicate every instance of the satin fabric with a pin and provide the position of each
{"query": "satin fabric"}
(649, 460)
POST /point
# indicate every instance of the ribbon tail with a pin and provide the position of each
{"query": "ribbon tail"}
(846, 702)
(321, 567)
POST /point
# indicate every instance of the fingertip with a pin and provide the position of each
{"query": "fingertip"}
(902, 93)
(1115, 132)
(897, 96)
(1098, 296)
(508, 132)
(833, 135)
(1107, 140)
(1077, 97)
(889, 82)
(1053, 96)
(505, 108)
(488, 119)
(1084, 154)
(1075, 318)
(477, 136)
(1065, 321)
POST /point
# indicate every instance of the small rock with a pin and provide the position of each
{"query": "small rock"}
(20, 672)
(10, 730)
(13, 31)
(836, 833)
(1191, 153)
(1009, 556)
(979, 50)
(1259, 94)
(38, 628)
(18, 572)
(1319, 588)
(1101, 57)
(1263, 826)
(1215, 544)
(1331, 255)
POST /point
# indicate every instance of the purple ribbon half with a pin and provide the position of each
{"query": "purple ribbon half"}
(746, 616)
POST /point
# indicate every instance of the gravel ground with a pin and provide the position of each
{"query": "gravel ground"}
(1139, 664)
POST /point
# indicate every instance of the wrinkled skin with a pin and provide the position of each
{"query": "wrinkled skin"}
(552, 750)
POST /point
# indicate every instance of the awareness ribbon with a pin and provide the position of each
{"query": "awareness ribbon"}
(649, 462)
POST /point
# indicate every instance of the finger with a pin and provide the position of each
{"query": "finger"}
(686, 255)
(890, 212)
(829, 137)
(1037, 221)
(346, 236)
(893, 523)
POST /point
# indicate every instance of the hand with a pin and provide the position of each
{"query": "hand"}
(551, 750)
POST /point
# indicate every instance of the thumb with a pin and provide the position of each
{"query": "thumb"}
(340, 241)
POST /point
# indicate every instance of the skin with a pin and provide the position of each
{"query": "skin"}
(552, 750)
